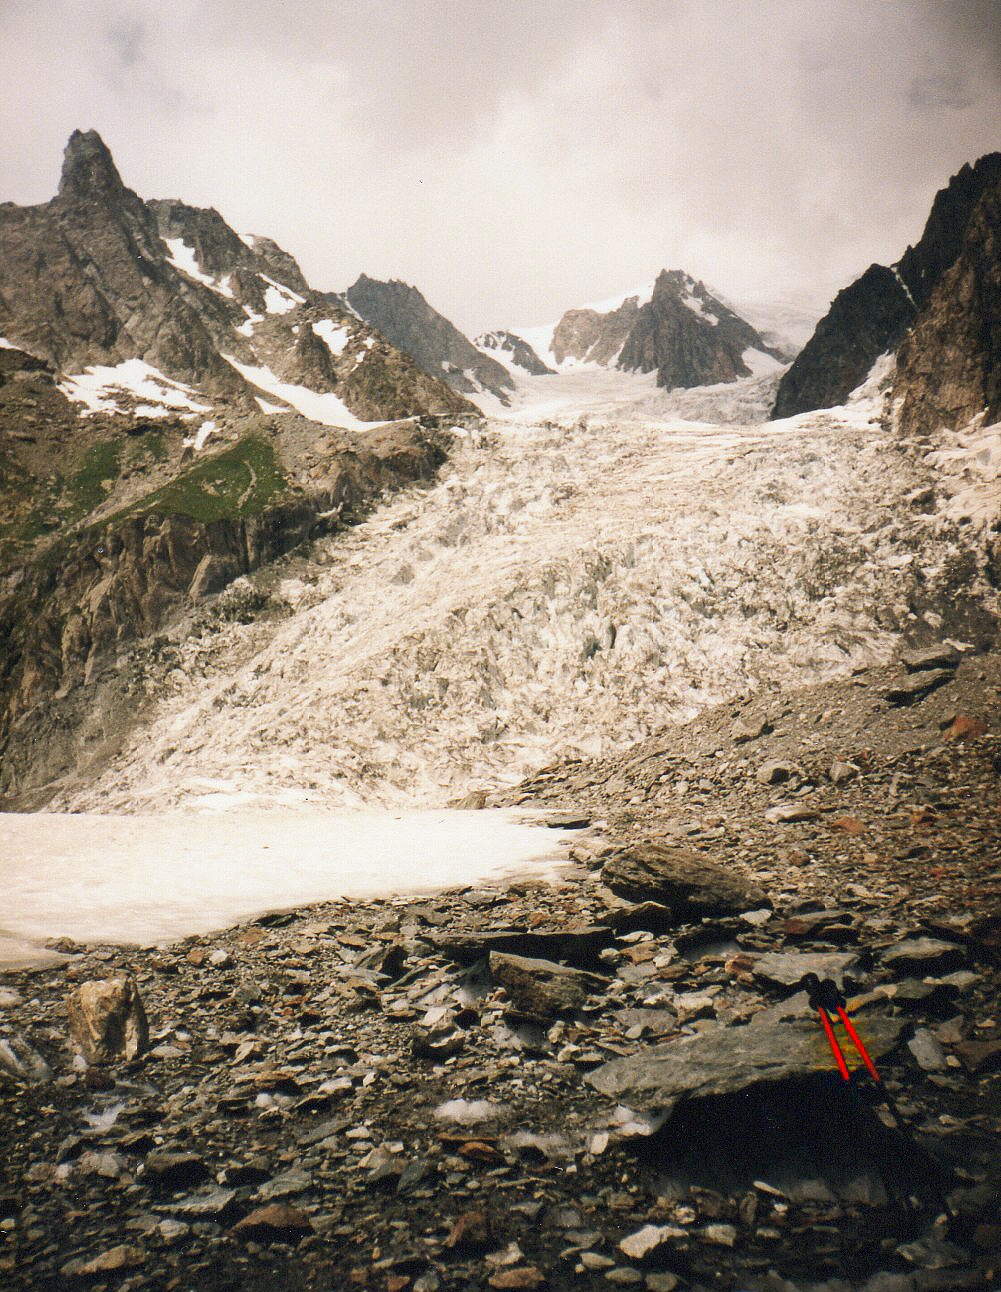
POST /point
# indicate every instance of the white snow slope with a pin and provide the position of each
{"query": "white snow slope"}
(567, 586)
(154, 878)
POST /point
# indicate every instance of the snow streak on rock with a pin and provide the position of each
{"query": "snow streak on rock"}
(560, 588)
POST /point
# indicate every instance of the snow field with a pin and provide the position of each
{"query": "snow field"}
(157, 878)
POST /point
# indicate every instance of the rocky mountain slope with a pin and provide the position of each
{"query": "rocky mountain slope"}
(177, 406)
(514, 351)
(98, 278)
(401, 314)
(944, 290)
(675, 328)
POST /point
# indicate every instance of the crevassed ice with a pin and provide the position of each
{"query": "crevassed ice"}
(561, 589)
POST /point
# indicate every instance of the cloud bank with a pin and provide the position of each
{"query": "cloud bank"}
(514, 160)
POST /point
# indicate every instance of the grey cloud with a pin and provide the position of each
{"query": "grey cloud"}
(515, 159)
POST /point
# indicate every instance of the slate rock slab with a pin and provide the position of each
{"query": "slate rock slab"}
(930, 657)
(924, 955)
(542, 987)
(685, 880)
(578, 946)
(786, 968)
(915, 686)
(726, 1060)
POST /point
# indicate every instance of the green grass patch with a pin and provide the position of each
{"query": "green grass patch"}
(91, 483)
(241, 481)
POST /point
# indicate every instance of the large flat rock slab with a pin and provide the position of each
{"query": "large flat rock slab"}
(681, 878)
(726, 1060)
(579, 946)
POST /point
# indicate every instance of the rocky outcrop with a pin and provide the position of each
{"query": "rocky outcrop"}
(688, 337)
(949, 365)
(873, 315)
(401, 314)
(593, 337)
(675, 328)
(515, 351)
(66, 617)
(866, 320)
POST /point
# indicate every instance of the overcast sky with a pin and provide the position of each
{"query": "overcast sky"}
(515, 157)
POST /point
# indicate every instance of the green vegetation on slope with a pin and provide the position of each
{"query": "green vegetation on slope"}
(241, 481)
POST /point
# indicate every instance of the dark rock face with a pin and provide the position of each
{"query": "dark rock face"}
(689, 344)
(866, 319)
(946, 287)
(949, 365)
(401, 314)
(517, 347)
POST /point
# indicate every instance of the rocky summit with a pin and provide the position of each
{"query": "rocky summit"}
(401, 314)
(675, 328)
(562, 1086)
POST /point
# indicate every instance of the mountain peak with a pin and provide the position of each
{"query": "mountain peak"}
(88, 167)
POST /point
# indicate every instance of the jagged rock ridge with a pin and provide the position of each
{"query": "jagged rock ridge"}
(97, 276)
(171, 398)
(872, 316)
(675, 328)
(402, 315)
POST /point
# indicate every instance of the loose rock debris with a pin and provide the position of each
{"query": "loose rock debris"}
(569, 1086)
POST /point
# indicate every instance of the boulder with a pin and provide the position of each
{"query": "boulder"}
(924, 955)
(107, 1019)
(915, 686)
(786, 968)
(931, 657)
(542, 987)
(681, 878)
(726, 1060)
(579, 946)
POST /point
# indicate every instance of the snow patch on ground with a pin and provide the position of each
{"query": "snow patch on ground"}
(182, 257)
(334, 336)
(198, 440)
(325, 407)
(158, 878)
(279, 299)
(98, 386)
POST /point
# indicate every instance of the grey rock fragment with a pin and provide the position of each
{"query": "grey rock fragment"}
(681, 878)
(786, 968)
(542, 986)
(929, 1055)
(724, 1060)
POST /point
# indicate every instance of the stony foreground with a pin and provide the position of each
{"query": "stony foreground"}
(611, 1083)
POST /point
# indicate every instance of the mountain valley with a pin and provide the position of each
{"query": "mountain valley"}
(429, 766)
